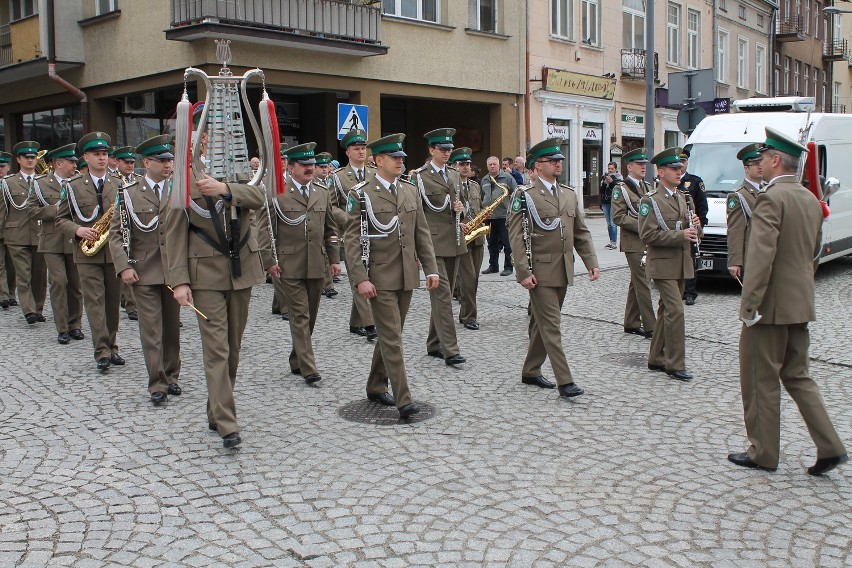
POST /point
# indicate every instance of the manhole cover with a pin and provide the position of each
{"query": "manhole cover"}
(368, 412)
(627, 359)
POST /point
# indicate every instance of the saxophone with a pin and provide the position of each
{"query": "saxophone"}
(475, 226)
(101, 226)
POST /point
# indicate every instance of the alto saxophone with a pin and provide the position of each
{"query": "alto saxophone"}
(91, 247)
(475, 227)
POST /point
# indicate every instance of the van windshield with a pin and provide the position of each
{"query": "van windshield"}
(718, 166)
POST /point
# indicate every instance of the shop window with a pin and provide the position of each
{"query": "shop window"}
(52, 128)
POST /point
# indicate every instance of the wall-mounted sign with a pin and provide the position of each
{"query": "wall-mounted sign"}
(558, 130)
(595, 134)
(572, 83)
(632, 118)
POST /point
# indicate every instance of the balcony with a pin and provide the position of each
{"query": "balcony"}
(633, 64)
(332, 26)
(5, 45)
(835, 50)
(835, 108)
(790, 29)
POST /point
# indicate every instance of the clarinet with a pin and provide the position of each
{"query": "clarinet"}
(525, 223)
(272, 233)
(124, 224)
(695, 246)
(234, 242)
(365, 231)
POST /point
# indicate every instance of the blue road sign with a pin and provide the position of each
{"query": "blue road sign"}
(349, 117)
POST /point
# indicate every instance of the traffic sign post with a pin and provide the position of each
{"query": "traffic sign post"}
(350, 117)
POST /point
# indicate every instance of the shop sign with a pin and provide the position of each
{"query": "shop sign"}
(632, 119)
(571, 83)
(592, 134)
(557, 130)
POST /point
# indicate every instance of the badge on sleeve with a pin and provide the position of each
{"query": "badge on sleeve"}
(516, 204)
(350, 204)
(732, 203)
(644, 209)
(616, 193)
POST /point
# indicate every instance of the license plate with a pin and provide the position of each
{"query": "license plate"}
(705, 264)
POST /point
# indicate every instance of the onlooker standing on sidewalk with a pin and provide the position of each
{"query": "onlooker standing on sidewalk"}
(611, 178)
(499, 237)
(521, 168)
(509, 168)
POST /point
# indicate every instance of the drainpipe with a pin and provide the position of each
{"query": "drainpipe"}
(526, 77)
(51, 68)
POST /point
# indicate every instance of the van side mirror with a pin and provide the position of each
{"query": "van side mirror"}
(830, 187)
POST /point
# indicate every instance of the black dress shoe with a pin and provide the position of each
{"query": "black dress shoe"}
(539, 381)
(335, 279)
(13, 302)
(437, 354)
(372, 334)
(409, 409)
(232, 440)
(570, 390)
(690, 301)
(116, 359)
(158, 397)
(742, 459)
(285, 316)
(212, 427)
(31, 318)
(175, 389)
(474, 325)
(63, 338)
(649, 334)
(506, 272)
(296, 371)
(490, 270)
(313, 378)
(276, 312)
(824, 465)
(358, 331)
(4, 304)
(133, 316)
(680, 375)
(329, 292)
(76, 334)
(384, 398)
(634, 331)
(454, 360)
(40, 318)
(653, 367)
(103, 364)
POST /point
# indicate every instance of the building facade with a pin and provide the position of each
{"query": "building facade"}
(119, 66)
(743, 48)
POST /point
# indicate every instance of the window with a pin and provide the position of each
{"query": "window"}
(742, 12)
(722, 57)
(797, 73)
(591, 21)
(633, 19)
(835, 103)
(693, 39)
(806, 81)
(560, 18)
(806, 16)
(723, 5)
(483, 15)
(53, 128)
(760, 68)
(760, 21)
(673, 33)
(816, 82)
(23, 8)
(817, 12)
(415, 9)
(742, 63)
(105, 6)
(836, 31)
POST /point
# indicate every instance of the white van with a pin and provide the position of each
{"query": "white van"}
(717, 139)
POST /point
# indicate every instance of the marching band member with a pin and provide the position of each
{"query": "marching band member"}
(138, 247)
(385, 270)
(125, 164)
(740, 206)
(471, 262)
(7, 269)
(323, 177)
(546, 223)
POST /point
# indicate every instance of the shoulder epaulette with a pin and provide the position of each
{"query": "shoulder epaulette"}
(371, 166)
(74, 177)
(420, 169)
(358, 186)
(525, 187)
(407, 181)
(652, 191)
(340, 169)
(565, 186)
(452, 167)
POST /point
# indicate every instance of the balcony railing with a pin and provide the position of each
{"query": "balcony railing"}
(633, 64)
(835, 50)
(836, 108)
(5, 45)
(323, 20)
(790, 29)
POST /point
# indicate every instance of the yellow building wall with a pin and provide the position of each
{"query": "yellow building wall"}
(26, 43)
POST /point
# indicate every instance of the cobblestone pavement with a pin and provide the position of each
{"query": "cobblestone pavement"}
(632, 473)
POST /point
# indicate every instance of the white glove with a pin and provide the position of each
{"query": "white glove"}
(751, 322)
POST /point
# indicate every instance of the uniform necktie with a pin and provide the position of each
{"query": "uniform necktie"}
(100, 192)
(157, 190)
(360, 175)
(392, 189)
(444, 175)
(304, 190)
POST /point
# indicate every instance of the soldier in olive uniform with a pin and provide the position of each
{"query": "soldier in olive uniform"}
(638, 311)
(140, 263)
(776, 306)
(307, 235)
(204, 266)
(439, 186)
(387, 271)
(125, 164)
(7, 269)
(323, 177)
(66, 296)
(740, 206)
(21, 234)
(344, 179)
(89, 197)
(544, 261)
(664, 228)
(693, 185)
(469, 264)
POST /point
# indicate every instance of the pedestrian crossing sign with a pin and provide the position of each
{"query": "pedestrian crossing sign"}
(350, 117)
